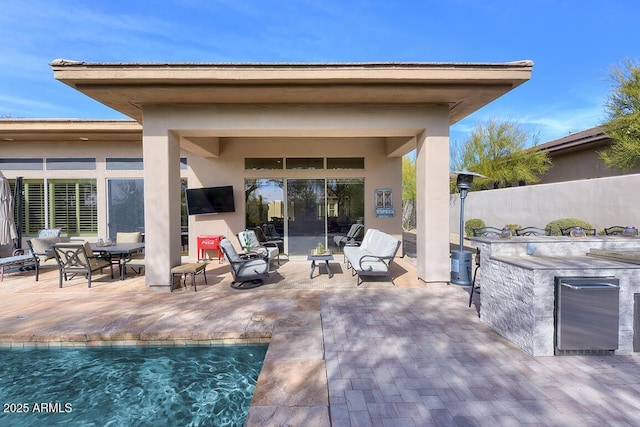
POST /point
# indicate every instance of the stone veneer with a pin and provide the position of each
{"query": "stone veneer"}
(518, 290)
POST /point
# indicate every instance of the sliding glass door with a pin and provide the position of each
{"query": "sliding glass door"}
(345, 207)
(125, 202)
(306, 219)
(264, 205)
(304, 212)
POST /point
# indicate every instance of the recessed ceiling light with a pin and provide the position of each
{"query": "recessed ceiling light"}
(84, 138)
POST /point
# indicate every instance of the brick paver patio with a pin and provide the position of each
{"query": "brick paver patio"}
(339, 355)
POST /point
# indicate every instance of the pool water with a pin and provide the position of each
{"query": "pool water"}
(126, 386)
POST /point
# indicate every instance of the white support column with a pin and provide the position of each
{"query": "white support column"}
(432, 200)
(162, 207)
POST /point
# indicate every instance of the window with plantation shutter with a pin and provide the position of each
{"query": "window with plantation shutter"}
(73, 206)
(33, 213)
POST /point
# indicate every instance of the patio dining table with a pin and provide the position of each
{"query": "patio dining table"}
(117, 253)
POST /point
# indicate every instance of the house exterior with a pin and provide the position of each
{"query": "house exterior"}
(310, 148)
(579, 185)
(576, 156)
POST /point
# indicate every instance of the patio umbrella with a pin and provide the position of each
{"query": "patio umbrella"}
(8, 232)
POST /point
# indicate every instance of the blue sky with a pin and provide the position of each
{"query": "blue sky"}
(573, 44)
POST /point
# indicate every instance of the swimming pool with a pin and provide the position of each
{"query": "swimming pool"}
(125, 386)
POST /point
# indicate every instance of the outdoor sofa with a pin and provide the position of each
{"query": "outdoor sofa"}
(374, 255)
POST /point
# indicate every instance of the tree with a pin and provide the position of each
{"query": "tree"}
(408, 192)
(498, 150)
(623, 117)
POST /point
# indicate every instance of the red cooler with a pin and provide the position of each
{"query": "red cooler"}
(209, 242)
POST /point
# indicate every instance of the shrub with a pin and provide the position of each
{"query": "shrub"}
(472, 223)
(559, 224)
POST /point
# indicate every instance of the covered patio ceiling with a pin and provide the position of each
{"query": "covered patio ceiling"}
(128, 87)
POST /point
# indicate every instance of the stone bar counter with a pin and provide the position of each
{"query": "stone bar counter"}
(516, 278)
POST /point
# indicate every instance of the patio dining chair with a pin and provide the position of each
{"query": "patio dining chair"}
(42, 251)
(247, 272)
(570, 231)
(487, 232)
(134, 262)
(619, 230)
(128, 237)
(533, 231)
(78, 258)
(615, 230)
(49, 232)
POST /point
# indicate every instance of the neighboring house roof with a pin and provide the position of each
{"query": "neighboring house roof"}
(462, 87)
(586, 139)
(578, 156)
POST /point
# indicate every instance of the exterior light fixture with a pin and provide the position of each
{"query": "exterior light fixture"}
(461, 259)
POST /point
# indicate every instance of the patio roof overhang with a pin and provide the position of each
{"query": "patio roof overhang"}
(128, 87)
(69, 130)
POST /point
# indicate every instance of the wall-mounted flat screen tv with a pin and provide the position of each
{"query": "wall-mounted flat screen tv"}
(210, 200)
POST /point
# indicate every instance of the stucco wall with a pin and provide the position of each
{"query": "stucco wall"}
(380, 172)
(603, 202)
(99, 150)
(241, 131)
(580, 164)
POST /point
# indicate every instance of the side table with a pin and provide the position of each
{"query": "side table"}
(326, 257)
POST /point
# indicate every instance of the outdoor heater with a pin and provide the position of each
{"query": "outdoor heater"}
(461, 259)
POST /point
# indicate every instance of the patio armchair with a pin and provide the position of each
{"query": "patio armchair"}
(247, 272)
(270, 241)
(77, 258)
(41, 250)
(352, 238)
(250, 243)
(270, 232)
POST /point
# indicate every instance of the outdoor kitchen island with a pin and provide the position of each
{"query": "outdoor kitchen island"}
(517, 282)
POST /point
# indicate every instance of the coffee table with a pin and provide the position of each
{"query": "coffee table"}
(326, 257)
